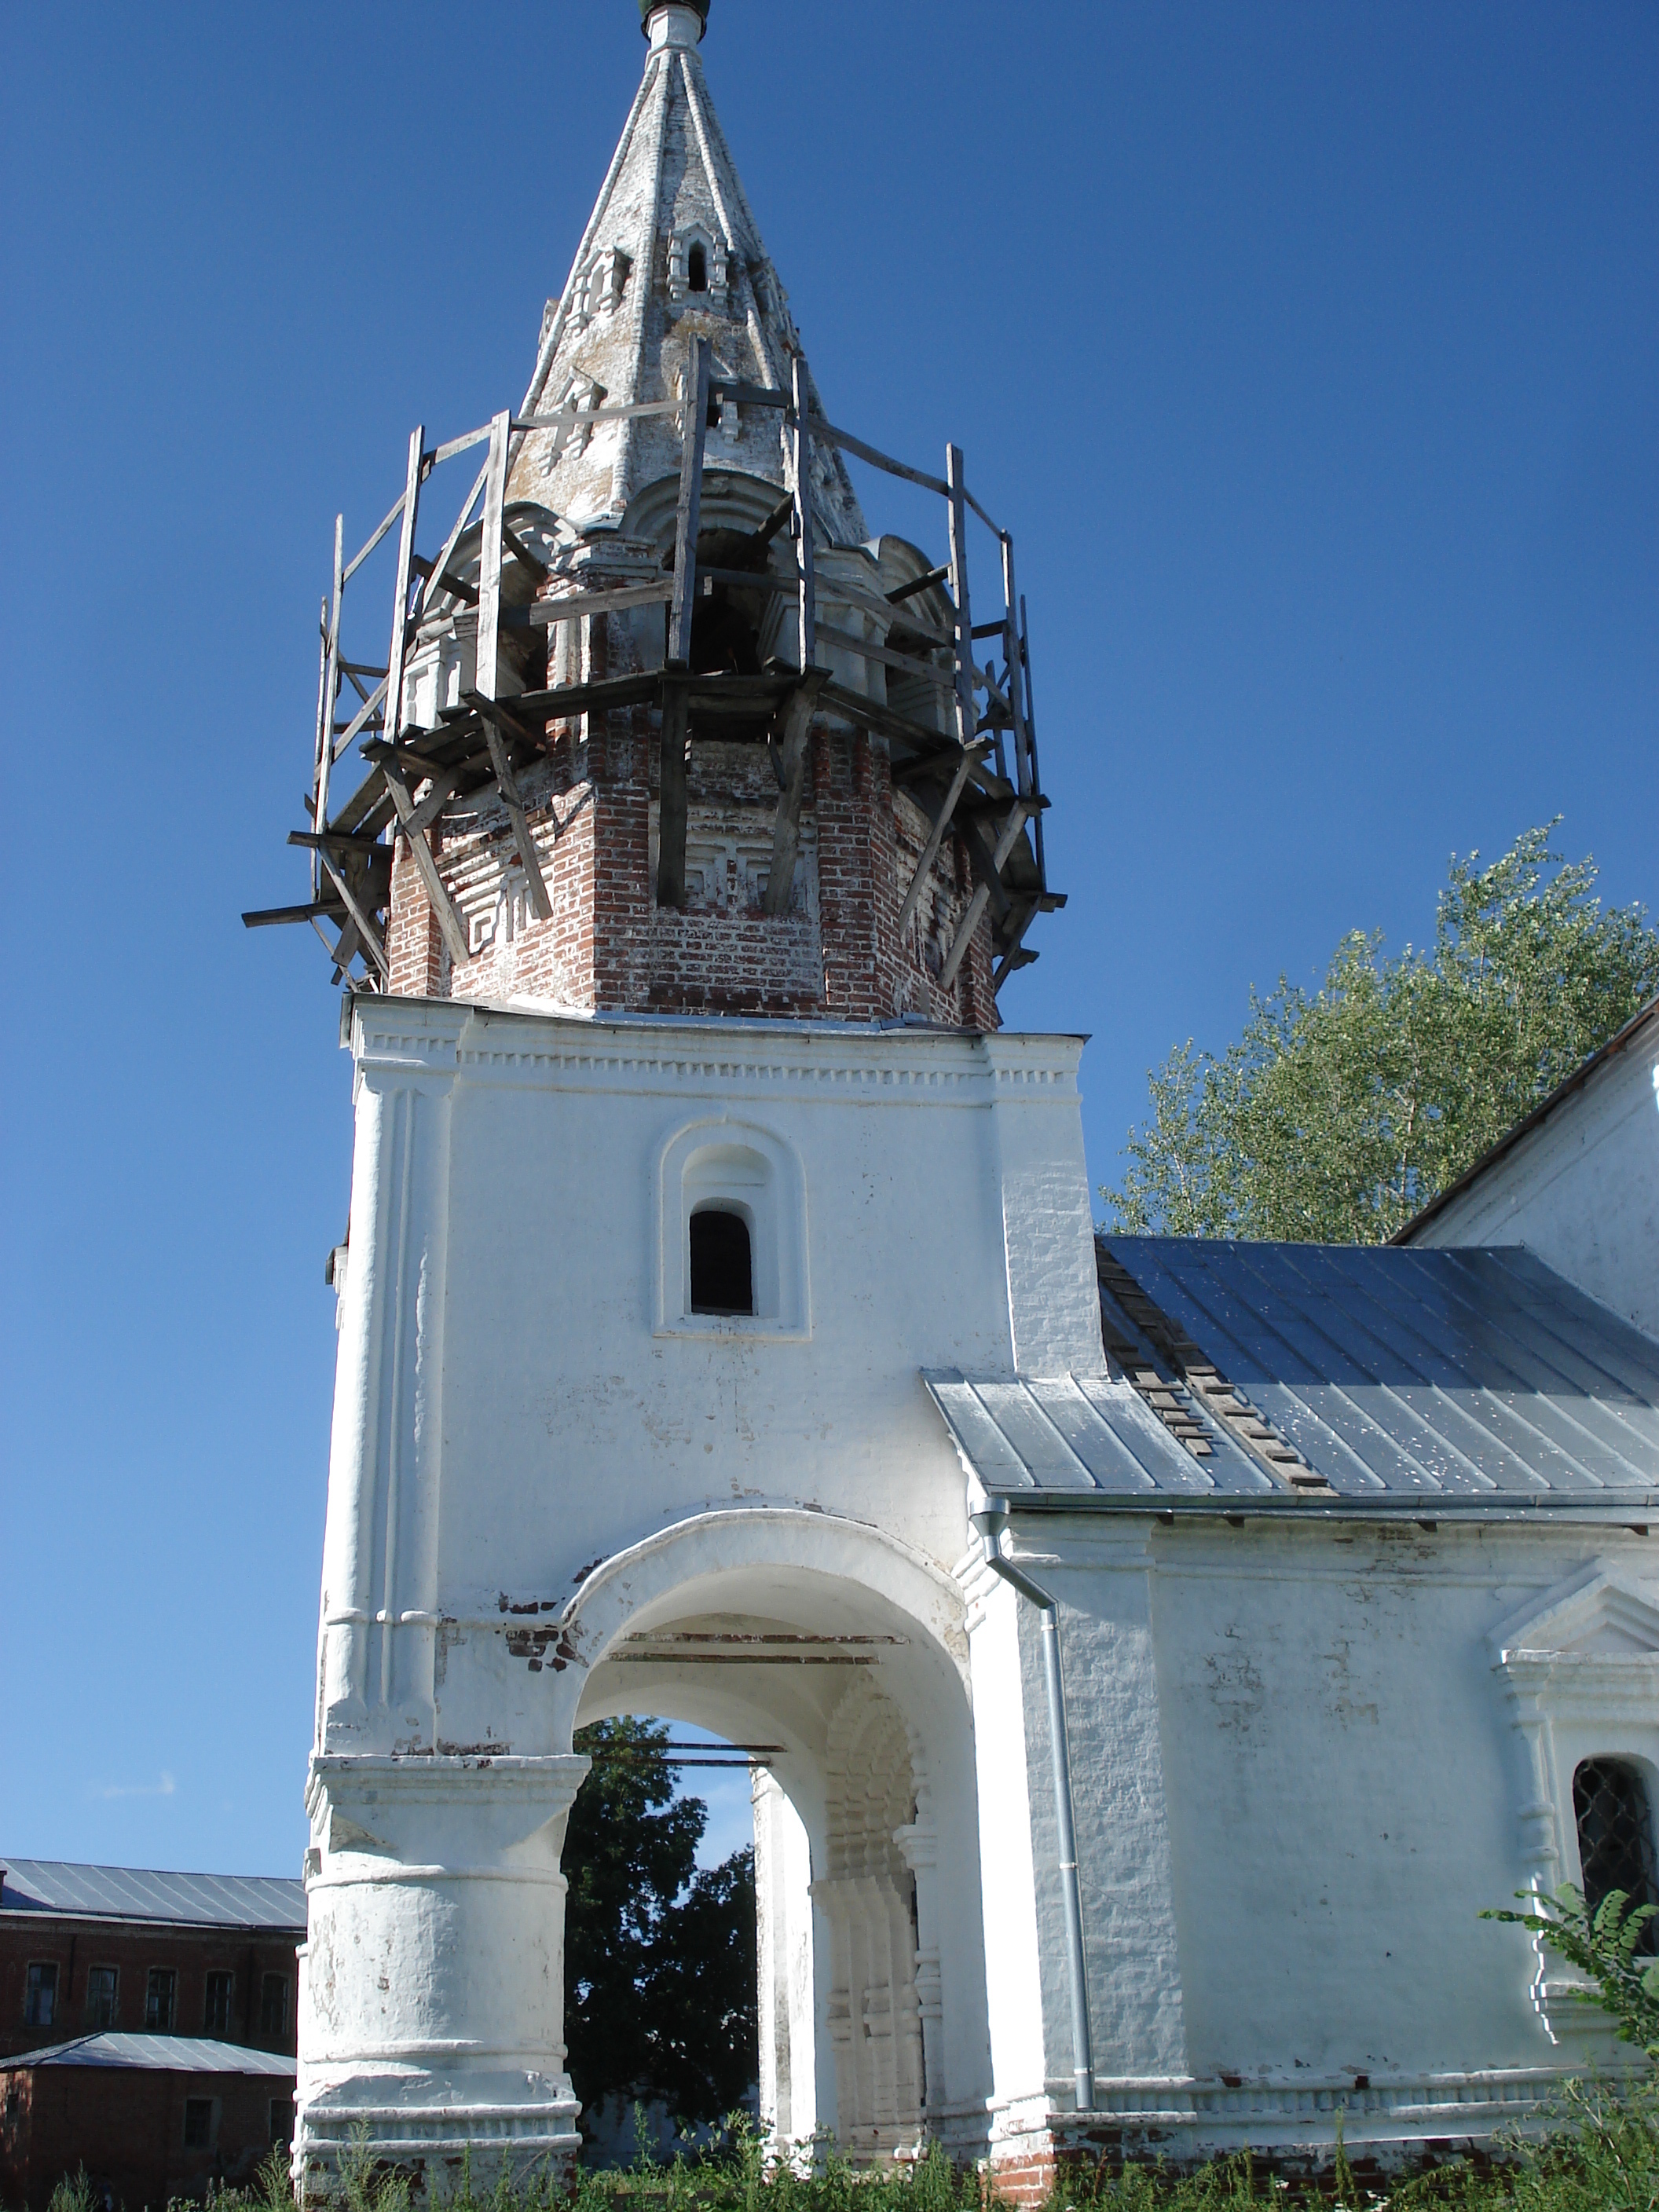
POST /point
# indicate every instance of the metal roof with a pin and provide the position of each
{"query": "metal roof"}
(1471, 1381)
(160, 2054)
(205, 1900)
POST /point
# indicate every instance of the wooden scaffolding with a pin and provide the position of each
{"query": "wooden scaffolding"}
(977, 779)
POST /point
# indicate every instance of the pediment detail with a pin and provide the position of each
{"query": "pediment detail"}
(1598, 1614)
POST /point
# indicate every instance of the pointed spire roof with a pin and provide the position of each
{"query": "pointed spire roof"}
(670, 253)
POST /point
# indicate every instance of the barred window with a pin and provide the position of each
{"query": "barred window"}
(103, 1983)
(221, 1990)
(1614, 1821)
(41, 1996)
(160, 1993)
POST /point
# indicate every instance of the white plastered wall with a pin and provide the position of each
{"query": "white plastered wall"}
(1582, 1189)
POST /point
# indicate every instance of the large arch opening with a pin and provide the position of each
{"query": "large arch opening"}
(865, 1853)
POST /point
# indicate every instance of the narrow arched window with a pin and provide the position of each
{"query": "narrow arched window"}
(1614, 1822)
(722, 1263)
(696, 270)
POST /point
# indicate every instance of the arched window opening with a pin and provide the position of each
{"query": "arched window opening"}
(1614, 1822)
(696, 270)
(722, 1264)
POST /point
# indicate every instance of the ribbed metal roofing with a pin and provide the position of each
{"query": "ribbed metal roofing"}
(1475, 1380)
(97, 1893)
(158, 2054)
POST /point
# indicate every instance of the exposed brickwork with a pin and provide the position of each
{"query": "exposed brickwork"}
(74, 1946)
(126, 2126)
(608, 947)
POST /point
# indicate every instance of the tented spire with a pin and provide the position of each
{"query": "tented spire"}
(671, 252)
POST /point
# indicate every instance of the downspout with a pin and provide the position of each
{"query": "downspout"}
(988, 1526)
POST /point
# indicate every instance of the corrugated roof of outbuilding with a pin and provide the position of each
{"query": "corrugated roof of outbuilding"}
(158, 2054)
(101, 1893)
(1462, 1381)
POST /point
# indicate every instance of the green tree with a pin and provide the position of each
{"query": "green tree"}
(1338, 1115)
(659, 1957)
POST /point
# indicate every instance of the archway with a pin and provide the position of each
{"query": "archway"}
(847, 1652)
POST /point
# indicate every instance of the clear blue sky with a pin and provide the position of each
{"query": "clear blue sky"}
(1308, 350)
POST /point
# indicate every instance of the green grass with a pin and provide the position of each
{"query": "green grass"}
(1602, 2155)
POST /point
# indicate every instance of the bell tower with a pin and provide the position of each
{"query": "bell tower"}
(663, 727)
(674, 840)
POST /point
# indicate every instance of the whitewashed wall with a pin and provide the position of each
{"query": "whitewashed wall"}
(1582, 1189)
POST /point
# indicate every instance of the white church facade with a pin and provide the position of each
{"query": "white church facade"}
(1170, 1647)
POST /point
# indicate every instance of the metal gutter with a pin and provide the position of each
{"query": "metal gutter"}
(1633, 1512)
(989, 1525)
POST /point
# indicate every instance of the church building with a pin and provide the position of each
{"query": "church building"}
(1164, 1650)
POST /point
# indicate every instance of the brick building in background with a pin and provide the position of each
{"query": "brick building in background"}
(152, 2118)
(86, 1949)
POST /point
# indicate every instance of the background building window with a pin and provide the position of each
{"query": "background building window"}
(159, 1992)
(273, 2005)
(198, 2123)
(282, 2121)
(103, 1984)
(722, 1269)
(1615, 1837)
(40, 1997)
(221, 1990)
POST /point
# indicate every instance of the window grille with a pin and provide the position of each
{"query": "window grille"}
(103, 1983)
(159, 1992)
(1615, 1837)
(40, 1997)
(221, 1991)
(273, 2005)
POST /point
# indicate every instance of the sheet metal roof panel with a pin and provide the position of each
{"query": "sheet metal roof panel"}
(161, 2054)
(97, 1893)
(1084, 1436)
(1459, 1370)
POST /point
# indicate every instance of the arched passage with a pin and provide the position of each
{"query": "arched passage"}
(846, 1651)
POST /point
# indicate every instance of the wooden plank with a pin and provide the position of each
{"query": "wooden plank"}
(447, 580)
(394, 660)
(918, 584)
(1030, 740)
(371, 936)
(942, 678)
(326, 755)
(672, 804)
(930, 850)
(454, 539)
(359, 558)
(844, 595)
(568, 417)
(494, 721)
(689, 509)
(267, 917)
(522, 554)
(928, 744)
(359, 720)
(1012, 655)
(489, 558)
(549, 611)
(966, 716)
(337, 841)
(807, 618)
(993, 527)
(747, 395)
(977, 904)
(877, 459)
(793, 755)
(453, 446)
(449, 921)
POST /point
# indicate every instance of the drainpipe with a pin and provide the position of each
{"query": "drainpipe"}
(989, 1525)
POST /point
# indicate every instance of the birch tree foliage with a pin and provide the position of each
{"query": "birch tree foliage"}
(1338, 1113)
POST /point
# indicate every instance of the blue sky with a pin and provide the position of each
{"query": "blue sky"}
(1308, 351)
